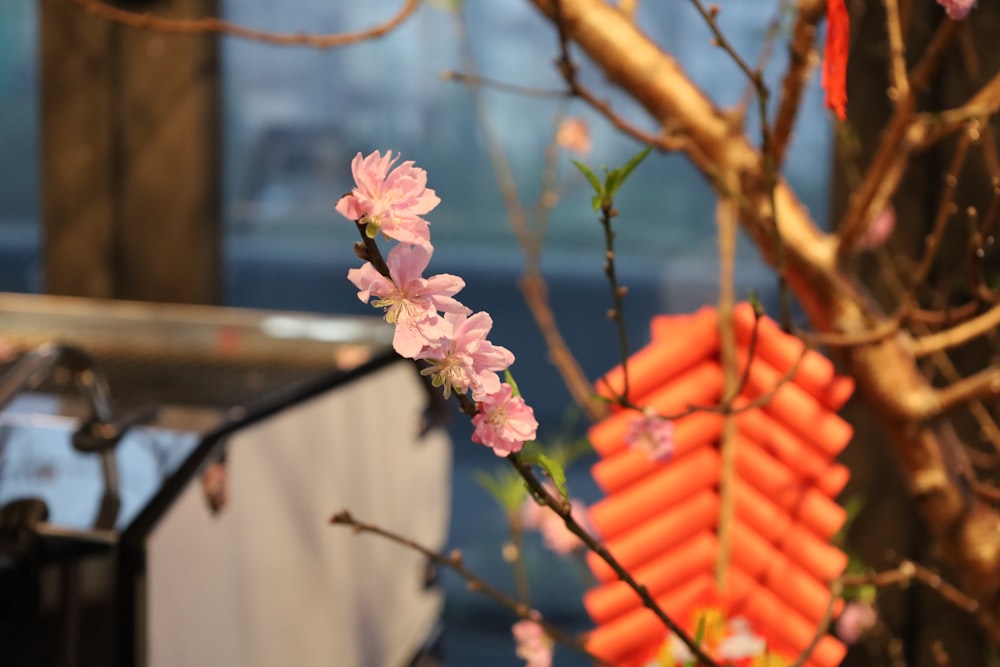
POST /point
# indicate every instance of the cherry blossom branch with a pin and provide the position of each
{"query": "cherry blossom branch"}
(475, 583)
(211, 25)
(616, 314)
(983, 385)
(562, 508)
(836, 590)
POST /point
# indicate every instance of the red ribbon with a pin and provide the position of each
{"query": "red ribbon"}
(838, 35)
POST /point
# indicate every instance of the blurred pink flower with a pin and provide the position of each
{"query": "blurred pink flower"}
(957, 9)
(464, 359)
(557, 536)
(855, 620)
(504, 422)
(389, 201)
(574, 135)
(879, 229)
(653, 434)
(411, 302)
(532, 644)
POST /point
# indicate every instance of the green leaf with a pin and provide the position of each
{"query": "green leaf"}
(597, 201)
(532, 454)
(758, 308)
(510, 380)
(594, 181)
(617, 177)
(506, 487)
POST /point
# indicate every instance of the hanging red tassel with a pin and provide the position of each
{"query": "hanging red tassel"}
(838, 35)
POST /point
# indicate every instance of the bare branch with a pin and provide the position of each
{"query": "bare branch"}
(211, 25)
(958, 335)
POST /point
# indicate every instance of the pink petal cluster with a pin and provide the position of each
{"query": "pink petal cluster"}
(411, 302)
(856, 619)
(957, 9)
(879, 229)
(504, 422)
(465, 360)
(574, 135)
(532, 644)
(389, 201)
(652, 434)
(431, 325)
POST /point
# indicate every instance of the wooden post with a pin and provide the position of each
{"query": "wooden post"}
(130, 157)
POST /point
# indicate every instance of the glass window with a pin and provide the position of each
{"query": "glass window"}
(19, 148)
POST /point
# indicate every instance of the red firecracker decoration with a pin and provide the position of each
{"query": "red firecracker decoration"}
(838, 38)
(660, 518)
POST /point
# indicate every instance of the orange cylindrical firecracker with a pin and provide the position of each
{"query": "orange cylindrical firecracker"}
(768, 566)
(772, 618)
(631, 633)
(815, 373)
(631, 465)
(656, 536)
(796, 409)
(817, 557)
(693, 339)
(806, 461)
(656, 493)
(659, 576)
(701, 384)
(789, 492)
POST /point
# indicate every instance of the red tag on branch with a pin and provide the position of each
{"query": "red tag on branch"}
(838, 35)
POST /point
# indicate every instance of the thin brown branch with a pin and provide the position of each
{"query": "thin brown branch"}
(469, 79)
(212, 25)
(453, 562)
(802, 59)
(727, 215)
(897, 52)
(533, 287)
(957, 335)
(836, 590)
(981, 386)
(893, 152)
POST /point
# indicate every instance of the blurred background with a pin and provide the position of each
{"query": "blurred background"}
(244, 148)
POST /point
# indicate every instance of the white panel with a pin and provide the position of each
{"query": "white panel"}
(269, 581)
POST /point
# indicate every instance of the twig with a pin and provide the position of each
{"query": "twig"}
(533, 287)
(893, 152)
(980, 386)
(617, 291)
(211, 25)
(897, 52)
(728, 221)
(469, 79)
(957, 335)
(476, 584)
(802, 60)
(836, 590)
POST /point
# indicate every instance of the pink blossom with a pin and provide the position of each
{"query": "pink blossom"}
(557, 536)
(856, 619)
(957, 9)
(504, 422)
(574, 135)
(464, 359)
(652, 433)
(532, 644)
(411, 302)
(389, 201)
(878, 230)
